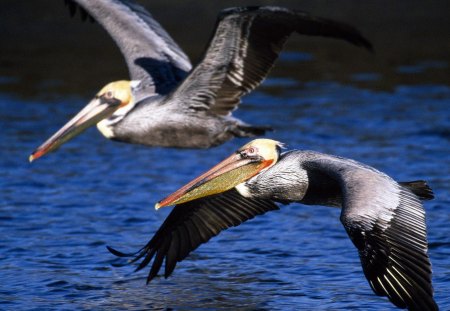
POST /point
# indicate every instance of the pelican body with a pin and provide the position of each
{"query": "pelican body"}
(168, 102)
(384, 219)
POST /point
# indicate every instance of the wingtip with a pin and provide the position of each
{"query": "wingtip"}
(116, 252)
(150, 277)
(367, 45)
(419, 188)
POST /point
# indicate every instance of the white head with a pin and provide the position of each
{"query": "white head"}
(122, 90)
(109, 106)
(248, 161)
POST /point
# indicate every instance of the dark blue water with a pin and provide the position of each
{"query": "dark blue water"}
(58, 214)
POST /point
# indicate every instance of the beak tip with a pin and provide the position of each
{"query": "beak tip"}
(35, 155)
(157, 206)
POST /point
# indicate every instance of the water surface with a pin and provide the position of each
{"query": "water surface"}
(58, 214)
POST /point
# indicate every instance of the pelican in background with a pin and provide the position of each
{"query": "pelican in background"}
(168, 103)
(384, 219)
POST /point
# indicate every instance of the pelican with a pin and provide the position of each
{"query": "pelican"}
(168, 103)
(384, 219)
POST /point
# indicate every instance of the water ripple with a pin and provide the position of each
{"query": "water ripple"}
(57, 215)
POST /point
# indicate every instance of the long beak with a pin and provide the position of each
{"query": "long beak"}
(222, 177)
(97, 110)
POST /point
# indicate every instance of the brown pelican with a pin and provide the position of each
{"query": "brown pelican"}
(167, 103)
(384, 218)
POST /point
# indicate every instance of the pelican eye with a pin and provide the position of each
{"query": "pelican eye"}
(247, 152)
(109, 94)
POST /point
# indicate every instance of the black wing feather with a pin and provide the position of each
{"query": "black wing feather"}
(172, 253)
(191, 224)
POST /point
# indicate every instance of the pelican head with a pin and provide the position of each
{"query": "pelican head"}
(248, 161)
(114, 100)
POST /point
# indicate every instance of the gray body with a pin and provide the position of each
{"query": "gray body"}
(180, 106)
(314, 178)
(166, 124)
(384, 219)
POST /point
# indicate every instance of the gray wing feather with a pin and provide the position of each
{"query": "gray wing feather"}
(150, 53)
(191, 224)
(245, 44)
(386, 223)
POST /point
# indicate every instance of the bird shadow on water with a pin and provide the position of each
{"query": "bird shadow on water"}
(194, 289)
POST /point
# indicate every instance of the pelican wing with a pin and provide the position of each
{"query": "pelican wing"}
(386, 222)
(244, 46)
(150, 53)
(191, 224)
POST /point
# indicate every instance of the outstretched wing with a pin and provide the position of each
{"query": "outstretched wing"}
(386, 222)
(150, 53)
(191, 224)
(244, 46)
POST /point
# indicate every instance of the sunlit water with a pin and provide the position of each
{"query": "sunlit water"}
(58, 214)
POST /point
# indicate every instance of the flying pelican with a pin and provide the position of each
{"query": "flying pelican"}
(170, 104)
(384, 219)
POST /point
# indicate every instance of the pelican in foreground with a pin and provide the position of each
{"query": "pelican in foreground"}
(384, 219)
(168, 103)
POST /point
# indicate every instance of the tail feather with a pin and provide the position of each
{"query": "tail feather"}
(419, 188)
(250, 130)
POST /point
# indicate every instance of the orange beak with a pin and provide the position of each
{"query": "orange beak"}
(98, 109)
(222, 177)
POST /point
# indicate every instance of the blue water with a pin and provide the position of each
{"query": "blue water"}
(58, 214)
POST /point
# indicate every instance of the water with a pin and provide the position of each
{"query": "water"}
(57, 215)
